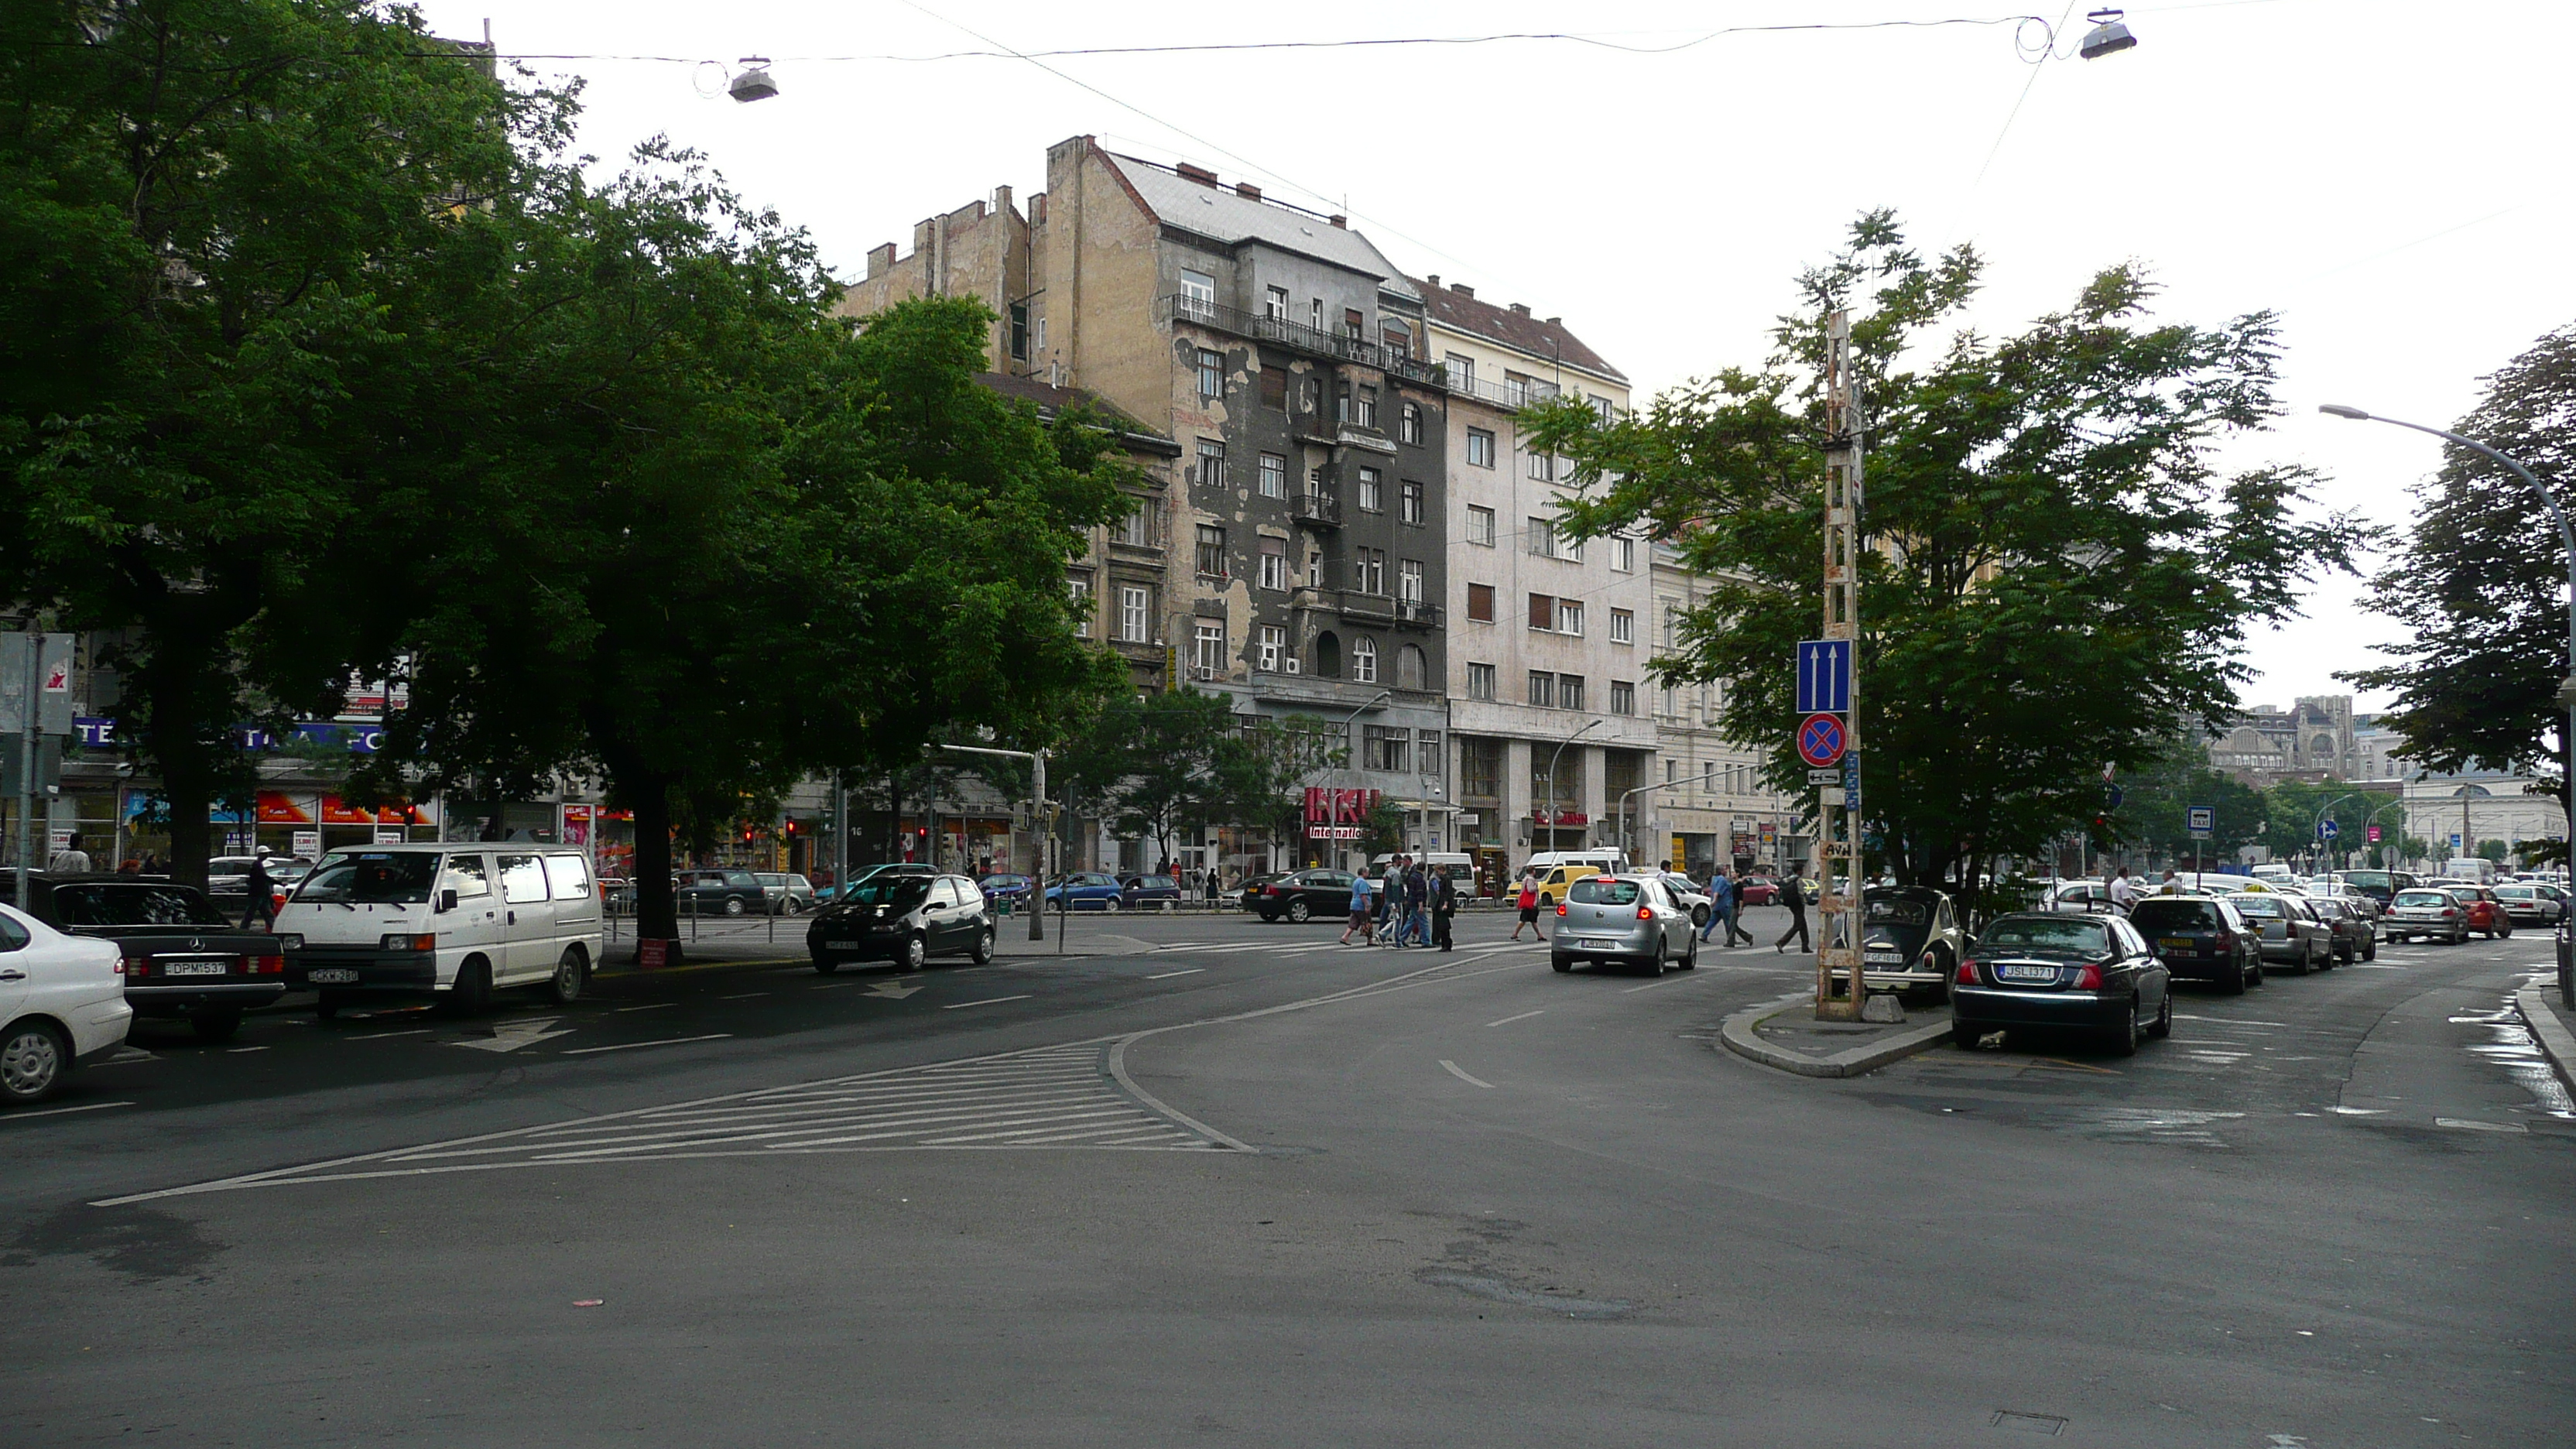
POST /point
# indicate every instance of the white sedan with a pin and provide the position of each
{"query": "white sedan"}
(62, 1003)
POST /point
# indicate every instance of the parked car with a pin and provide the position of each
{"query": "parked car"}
(1690, 895)
(1910, 939)
(785, 894)
(1085, 890)
(1149, 893)
(1305, 895)
(1758, 890)
(2428, 913)
(1247, 893)
(2289, 933)
(2485, 913)
(2202, 939)
(182, 957)
(448, 922)
(2354, 937)
(721, 892)
(1628, 920)
(1011, 887)
(903, 918)
(2080, 897)
(2532, 904)
(62, 1006)
(861, 875)
(2380, 885)
(2049, 970)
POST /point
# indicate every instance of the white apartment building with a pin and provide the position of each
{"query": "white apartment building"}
(1548, 636)
(1714, 808)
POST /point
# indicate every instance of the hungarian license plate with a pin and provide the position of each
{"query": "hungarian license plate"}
(1592, 944)
(1884, 958)
(331, 975)
(2178, 943)
(215, 967)
(2016, 971)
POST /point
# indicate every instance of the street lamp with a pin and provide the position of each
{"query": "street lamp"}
(1344, 728)
(2567, 537)
(1551, 780)
(2107, 37)
(1623, 805)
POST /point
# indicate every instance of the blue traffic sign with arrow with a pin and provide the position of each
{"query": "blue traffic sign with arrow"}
(1824, 676)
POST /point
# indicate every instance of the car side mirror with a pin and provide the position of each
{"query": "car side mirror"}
(446, 900)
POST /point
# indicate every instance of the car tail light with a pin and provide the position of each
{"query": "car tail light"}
(134, 966)
(1560, 908)
(1645, 913)
(264, 965)
(2449, 911)
(1968, 973)
(2089, 978)
(1270, 890)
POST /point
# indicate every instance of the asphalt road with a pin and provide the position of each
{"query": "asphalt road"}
(1241, 1185)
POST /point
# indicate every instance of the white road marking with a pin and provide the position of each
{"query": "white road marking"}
(2359, 1111)
(246, 1049)
(1168, 975)
(1452, 1069)
(632, 1045)
(656, 1006)
(510, 1036)
(59, 1111)
(378, 1035)
(987, 1001)
(1665, 981)
(1524, 1016)
(2471, 1124)
(891, 991)
(742, 996)
(2229, 1020)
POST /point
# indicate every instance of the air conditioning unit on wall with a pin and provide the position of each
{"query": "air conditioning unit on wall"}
(1289, 665)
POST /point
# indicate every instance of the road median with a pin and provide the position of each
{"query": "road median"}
(1784, 1034)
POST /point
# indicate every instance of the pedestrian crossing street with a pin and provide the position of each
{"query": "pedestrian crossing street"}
(1056, 1097)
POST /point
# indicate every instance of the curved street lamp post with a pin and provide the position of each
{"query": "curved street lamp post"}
(1551, 780)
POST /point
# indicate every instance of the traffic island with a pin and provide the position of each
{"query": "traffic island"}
(1785, 1034)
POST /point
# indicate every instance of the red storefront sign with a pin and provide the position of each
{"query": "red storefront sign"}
(1333, 814)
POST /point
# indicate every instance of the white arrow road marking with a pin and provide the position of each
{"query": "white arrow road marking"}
(891, 991)
(1452, 1068)
(509, 1036)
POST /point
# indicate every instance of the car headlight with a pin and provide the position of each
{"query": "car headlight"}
(290, 941)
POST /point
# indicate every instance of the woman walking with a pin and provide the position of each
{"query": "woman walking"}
(1794, 891)
(1528, 905)
(1363, 906)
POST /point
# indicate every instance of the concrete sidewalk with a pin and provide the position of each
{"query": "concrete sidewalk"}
(1785, 1034)
(2552, 1025)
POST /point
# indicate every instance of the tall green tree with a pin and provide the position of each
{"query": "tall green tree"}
(216, 217)
(2156, 802)
(2480, 588)
(2058, 573)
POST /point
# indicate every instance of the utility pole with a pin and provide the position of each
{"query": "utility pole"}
(31, 708)
(1838, 812)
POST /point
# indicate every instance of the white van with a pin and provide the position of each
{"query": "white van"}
(1457, 865)
(2471, 868)
(1610, 862)
(453, 922)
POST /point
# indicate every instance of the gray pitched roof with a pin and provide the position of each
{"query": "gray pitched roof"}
(1517, 330)
(1218, 212)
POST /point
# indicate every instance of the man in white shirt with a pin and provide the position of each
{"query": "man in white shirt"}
(2124, 894)
(71, 859)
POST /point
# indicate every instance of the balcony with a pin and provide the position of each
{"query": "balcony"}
(1356, 605)
(1417, 613)
(1298, 337)
(1317, 510)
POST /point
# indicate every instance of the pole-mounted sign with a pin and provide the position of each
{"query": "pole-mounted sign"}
(2201, 821)
(1820, 740)
(1829, 685)
(1824, 676)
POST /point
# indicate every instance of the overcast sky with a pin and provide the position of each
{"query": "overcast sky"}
(2390, 177)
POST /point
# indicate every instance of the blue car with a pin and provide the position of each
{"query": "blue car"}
(1087, 890)
(1004, 887)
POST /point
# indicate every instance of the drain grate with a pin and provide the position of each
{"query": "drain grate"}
(2021, 1423)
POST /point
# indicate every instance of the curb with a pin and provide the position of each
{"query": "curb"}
(1738, 1034)
(2555, 1041)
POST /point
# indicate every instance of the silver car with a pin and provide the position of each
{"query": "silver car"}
(786, 894)
(1627, 919)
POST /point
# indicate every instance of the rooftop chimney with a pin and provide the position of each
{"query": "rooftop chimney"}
(881, 260)
(1001, 198)
(1433, 279)
(1247, 191)
(1555, 321)
(1199, 174)
(1462, 289)
(1521, 307)
(1343, 222)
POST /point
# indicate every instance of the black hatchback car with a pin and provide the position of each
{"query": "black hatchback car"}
(1306, 895)
(906, 919)
(184, 958)
(2051, 971)
(2201, 939)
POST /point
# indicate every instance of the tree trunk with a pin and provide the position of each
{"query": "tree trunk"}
(174, 684)
(894, 818)
(657, 910)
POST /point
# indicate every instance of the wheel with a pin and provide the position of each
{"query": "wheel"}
(2122, 1040)
(1561, 963)
(1114, 903)
(795, 907)
(2371, 951)
(2233, 983)
(2345, 953)
(2300, 966)
(473, 988)
(734, 906)
(216, 1025)
(1690, 956)
(1298, 911)
(1269, 918)
(327, 1006)
(982, 955)
(1699, 918)
(1655, 962)
(1966, 1034)
(572, 973)
(34, 1059)
(2255, 973)
(825, 965)
(916, 952)
(2162, 1026)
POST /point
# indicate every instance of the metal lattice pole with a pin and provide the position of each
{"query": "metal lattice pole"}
(1838, 814)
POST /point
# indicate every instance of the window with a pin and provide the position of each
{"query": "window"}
(1410, 423)
(1274, 563)
(1274, 476)
(1135, 613)
(1020, 330)
(1672, 622)
(1672, 768)
(465, 876)
(1480, 525)
(1668, 703)
(1211, 375)
(1480, 685)
(1313, 395)
(1412, 668)
(1077, 587)
(1384, 747)
(1541, 466)
(1372, 491)
(1623, 626)
(1408, 580)
(1569, 616)
(1569, 691)
(1211, 462)
(1480, 603)
(1354, 326)
(1480, 767)
(523, 880)
(1341, 402)
(1541, 535)
(1480, 447)
(1198, 293)
(1399, 338)
(1623, 555)
(1274, 388)
(1462, 378)
(1409, 500)
(1207, 647)
(1042, 334)
(1542, 689)
(1570, 549)
(1274, 304)
(1315, 313)
(1623, 696)
(1366, 415)
(1273, 647)
(1368, 570)
(1211, 552)
(1542, 611)
(1143, 525)
(570, 877)
(1364, 661)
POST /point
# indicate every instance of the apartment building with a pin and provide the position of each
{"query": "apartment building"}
(1547, 634)
(1293, 555)
(1714, 808)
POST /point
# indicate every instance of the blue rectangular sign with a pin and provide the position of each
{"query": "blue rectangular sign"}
(1824, 676)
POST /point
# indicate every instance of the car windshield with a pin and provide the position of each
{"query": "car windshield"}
(2172, 915)
(2434, 900)
(107, 904)
(2265, 906)
(1603, 893)
(2518, 893)
(1881, 911)
(902, 892)
(371, 877)
(2043, 934)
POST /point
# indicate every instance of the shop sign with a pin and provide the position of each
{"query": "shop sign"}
(276, 807)
(576, 825)
(308, 844)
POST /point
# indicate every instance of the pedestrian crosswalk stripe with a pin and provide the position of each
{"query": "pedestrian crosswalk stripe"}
(1055, 1097)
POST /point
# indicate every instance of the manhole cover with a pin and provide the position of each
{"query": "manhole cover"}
(2028, 1423)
